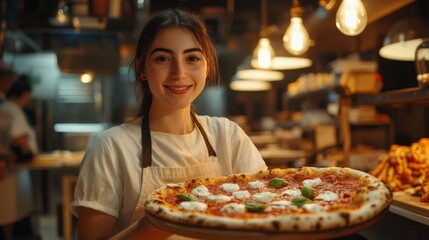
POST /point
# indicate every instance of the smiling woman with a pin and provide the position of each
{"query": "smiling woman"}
(176, 73)
(167, 142)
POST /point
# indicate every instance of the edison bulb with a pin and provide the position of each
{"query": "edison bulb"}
(263, 53)
(351, 17)
(86, 77)
(296, 39)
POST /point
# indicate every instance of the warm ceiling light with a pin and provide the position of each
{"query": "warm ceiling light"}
(287, 63)
(263, 53)
(249, 85)
(296, 39)
(351, 17)
(260, 75)
(402, 39)
(86, 77)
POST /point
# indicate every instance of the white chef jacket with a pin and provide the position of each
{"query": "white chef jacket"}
(110, 175)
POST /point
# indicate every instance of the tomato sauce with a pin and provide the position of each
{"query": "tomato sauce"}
(344, 188)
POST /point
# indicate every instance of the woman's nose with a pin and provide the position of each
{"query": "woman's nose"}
(177, 70)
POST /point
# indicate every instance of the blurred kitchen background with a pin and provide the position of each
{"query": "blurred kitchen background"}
(57, 41)
(339, 93)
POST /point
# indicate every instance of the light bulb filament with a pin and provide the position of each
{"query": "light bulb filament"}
(264, 53)
(351, 17)
(296, 39)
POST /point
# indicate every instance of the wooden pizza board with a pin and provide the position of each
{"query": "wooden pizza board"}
(226, 234)
(410, 203)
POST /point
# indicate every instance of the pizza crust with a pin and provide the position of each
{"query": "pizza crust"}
(373, 196)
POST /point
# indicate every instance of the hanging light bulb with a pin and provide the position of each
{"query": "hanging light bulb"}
(296, 39)
(263, 53)
(351, 17)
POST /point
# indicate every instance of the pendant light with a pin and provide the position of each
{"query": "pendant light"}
(263, 53)
(402, 39)
(296, 39)
(351, 18)
(245, 71)
(62, 15)
(248, 85)
(280, 63)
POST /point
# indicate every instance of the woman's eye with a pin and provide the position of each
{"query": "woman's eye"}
(161, 59)
(193, 59)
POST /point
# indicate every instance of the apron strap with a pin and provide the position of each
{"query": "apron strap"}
(147, 143)
(206, 139)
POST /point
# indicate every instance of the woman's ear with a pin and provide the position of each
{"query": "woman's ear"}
(142, 76)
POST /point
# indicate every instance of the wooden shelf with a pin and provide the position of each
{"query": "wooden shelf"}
(316, 94)
(394, 97)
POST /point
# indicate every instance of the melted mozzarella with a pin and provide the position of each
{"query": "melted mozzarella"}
(218, 198)
(199, 206)
(241, 194)
(282, 204)
(312, 182)
(264, 197)
(230, 187)
(255, 185)
(312, 207)
(294, 192)
(201, 191)
(327, 196)
(233, 208)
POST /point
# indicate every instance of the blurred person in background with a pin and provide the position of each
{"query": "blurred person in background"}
(7, 76)
(16, 201)
(23, 137)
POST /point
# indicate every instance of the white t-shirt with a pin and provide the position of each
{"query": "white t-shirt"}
(20, 125)
(16, 189)
(110, 175)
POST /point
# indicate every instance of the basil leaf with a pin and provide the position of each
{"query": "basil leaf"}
(300, 201)
(308, 192)
(254, 207)
(277, 183)
(187, 197)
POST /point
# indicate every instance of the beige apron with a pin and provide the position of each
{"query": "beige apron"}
(154, 177)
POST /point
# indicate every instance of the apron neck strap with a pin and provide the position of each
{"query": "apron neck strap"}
(206, 139)
(147, 143)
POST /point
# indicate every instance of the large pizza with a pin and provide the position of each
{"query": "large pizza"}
(303, 199)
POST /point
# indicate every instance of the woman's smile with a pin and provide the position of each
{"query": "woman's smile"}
(178, 89)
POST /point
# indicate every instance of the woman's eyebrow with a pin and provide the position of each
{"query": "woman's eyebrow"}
(193, 50)
(171, 52)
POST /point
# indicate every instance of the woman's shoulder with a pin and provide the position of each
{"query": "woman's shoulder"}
(9, 106)
(119, 131)
(214, 120)
(217, 123)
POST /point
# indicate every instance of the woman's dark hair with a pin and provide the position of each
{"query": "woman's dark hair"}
(21, 85)
(172, 18)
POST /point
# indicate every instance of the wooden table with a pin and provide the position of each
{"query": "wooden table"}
(283, 158)
(55, 163)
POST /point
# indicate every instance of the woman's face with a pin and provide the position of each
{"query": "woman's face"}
(175, 69)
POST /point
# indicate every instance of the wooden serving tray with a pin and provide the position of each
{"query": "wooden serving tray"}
(410, 203)
(227, 234)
